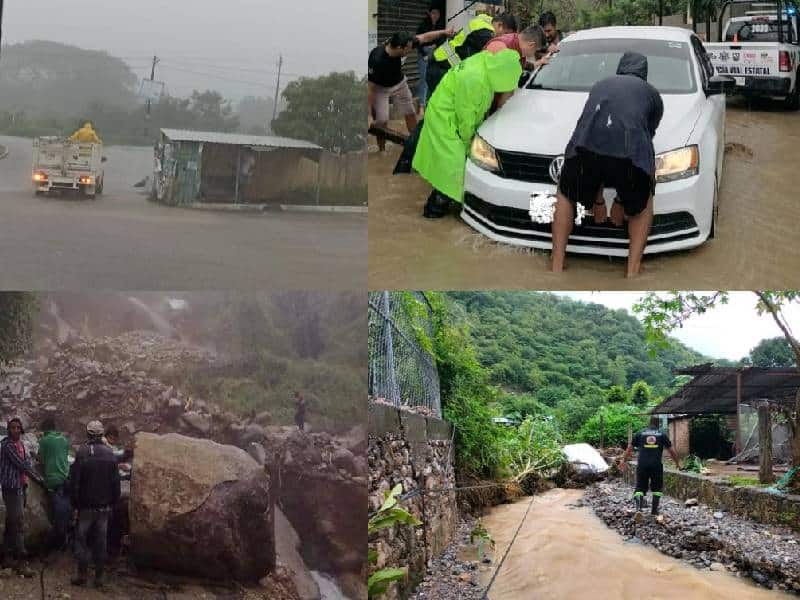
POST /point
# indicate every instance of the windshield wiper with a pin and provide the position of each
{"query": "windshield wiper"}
(537, 86)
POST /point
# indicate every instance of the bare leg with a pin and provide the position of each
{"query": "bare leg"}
(562, 227)
(411, 122)
(638, 230)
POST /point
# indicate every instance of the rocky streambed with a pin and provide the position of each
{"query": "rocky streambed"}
(705, 538)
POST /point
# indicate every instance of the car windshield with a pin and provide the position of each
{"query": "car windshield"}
(757, 30)
(580, 64)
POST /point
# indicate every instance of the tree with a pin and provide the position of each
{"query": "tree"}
(662, 314)
(328, 111)
(772, 353)
(617, 395)
(641, 394)
(16, 324)
(212, 111)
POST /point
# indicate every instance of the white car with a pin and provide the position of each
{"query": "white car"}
(518, 152)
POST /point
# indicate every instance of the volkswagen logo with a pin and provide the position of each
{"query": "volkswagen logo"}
(555, 168)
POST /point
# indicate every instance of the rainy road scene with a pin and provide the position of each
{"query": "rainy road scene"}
(146, 159)
(616, 154)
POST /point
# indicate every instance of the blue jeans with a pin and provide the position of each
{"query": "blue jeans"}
(92, 525)
(422, 85)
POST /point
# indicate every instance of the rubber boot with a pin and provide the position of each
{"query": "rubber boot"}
(82, 577)
(437, 206)
(654, 509)
(638, 500)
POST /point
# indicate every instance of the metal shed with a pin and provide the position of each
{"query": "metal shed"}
(725, 390)
(206, 166)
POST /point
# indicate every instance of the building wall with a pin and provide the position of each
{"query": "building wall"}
(679, 434)
(414, 451)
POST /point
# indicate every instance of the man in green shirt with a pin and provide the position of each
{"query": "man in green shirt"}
(53, 456)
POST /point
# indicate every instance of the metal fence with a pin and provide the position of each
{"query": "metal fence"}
(401, 371)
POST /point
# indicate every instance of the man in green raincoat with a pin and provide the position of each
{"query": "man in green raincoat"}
(455, 111)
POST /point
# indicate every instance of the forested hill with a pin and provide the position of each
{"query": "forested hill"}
(555, 348)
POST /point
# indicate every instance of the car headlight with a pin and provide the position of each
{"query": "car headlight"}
(677, 164)
(483, 155)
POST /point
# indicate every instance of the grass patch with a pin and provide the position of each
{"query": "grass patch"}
(742, 481)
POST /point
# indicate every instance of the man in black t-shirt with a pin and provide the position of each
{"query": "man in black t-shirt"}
(386, 79)
(651, 443)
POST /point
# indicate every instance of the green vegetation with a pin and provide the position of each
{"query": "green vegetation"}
(327, 110)
(549, 363)
(16, 323)
(481, 535)
(693, 464)
(617, 419)
(742, 481)
(772, 353)
(388, 516)
(74, 85)
(581, 14)
(283, 342)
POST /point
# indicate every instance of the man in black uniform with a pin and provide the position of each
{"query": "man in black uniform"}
(651, 443)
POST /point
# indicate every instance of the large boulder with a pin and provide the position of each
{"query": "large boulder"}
(200, 508)
(37, 525)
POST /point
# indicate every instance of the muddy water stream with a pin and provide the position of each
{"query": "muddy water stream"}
(756, 242)
(565, 552)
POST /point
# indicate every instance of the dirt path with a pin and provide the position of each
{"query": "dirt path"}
(755, 245)
(564, 551)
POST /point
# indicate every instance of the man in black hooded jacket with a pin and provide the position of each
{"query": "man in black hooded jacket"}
(612, 146)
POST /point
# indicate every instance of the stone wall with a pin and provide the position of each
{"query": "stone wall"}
(750, 502)
(414, 451)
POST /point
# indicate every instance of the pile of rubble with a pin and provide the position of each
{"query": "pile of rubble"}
(707, 539)
(419, 410)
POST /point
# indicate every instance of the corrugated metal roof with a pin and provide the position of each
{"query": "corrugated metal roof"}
(236, 139)
(712, 390)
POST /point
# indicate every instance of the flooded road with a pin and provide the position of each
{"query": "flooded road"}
(567, 552)
(757, 243)
(122, 241)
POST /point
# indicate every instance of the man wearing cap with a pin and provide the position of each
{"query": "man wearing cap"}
(95, 489)
(15, 471)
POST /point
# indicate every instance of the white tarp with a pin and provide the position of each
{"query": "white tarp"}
(584, 454)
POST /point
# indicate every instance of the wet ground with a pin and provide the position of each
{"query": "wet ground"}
(123, 241)
(564, 551)
(756, 245)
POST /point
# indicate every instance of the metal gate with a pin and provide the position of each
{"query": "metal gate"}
(402, 15)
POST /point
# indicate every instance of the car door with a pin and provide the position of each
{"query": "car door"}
(716, 102)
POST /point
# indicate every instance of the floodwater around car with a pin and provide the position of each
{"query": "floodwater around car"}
(756, 244)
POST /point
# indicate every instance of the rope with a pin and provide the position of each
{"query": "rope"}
(508, 549)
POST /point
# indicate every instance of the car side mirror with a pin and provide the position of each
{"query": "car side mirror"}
(720, 84)
(104, 159)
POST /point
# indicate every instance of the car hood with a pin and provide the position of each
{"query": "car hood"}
(542, 121)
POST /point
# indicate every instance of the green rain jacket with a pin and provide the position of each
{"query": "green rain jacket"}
(454, 113)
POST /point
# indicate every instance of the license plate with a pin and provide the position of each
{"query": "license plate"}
(542, 206)
(739, 81)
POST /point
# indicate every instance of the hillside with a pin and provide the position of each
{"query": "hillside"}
(534, 342)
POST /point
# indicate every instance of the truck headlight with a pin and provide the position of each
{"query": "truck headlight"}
(677, 164)
(483, 154)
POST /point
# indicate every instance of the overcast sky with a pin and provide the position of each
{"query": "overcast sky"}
(219, 41)
(725, 332)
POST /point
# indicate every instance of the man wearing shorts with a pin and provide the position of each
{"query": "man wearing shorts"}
(650, 443)
(612, 146)
(387, 80)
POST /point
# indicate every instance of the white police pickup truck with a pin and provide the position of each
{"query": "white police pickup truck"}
(760, 49)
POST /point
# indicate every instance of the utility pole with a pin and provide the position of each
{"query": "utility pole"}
(152, 77)
(277, 91)
(1, 25)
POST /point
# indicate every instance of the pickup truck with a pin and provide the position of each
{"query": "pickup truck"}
(62, 164)
(760, 50)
